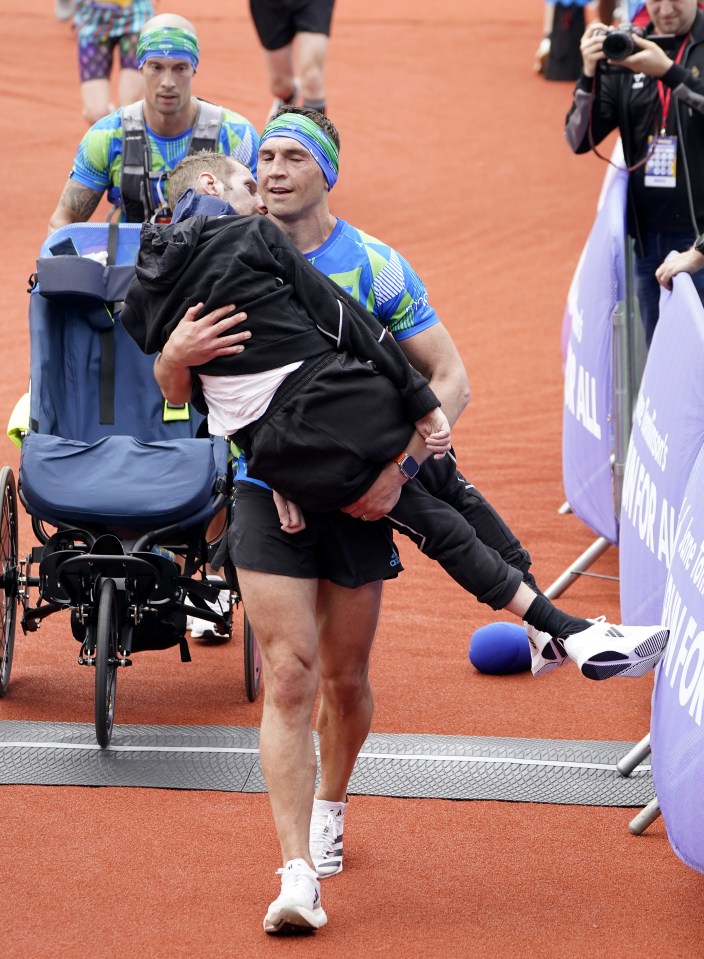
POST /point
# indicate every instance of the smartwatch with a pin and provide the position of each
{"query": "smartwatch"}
(699, 244)
(408, 466)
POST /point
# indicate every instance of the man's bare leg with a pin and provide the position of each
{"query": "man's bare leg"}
(280, 67)
(347, 620)
(281, 610)
(312, 52)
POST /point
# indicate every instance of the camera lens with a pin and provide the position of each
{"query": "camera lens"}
(618, 44)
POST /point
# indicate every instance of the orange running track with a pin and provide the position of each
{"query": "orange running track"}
(453, 153)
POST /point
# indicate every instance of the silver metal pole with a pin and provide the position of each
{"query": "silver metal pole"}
(645, 817)
(628, 363)
(581, 564)
(634, 757)
(621, 399)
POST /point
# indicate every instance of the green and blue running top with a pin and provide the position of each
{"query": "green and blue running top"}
(98, 163)
(377, 277)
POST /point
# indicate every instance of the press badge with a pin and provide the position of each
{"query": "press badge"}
(661, 168)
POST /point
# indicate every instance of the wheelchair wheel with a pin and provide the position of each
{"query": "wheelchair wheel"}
(9, 570)
(106, 637)
(252, 662)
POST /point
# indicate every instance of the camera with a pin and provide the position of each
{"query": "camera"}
(619, 43)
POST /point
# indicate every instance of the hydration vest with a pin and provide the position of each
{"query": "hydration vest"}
(136, 185)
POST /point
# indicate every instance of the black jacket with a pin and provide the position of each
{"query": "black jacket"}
(293, 311)
(334, 423)
(620, 99)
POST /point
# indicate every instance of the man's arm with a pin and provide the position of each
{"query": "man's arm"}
(194, 341)
(592, 115)
(76, 205)
(593, 112)
(433, 353)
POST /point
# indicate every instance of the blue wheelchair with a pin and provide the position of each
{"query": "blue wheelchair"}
(123, 489)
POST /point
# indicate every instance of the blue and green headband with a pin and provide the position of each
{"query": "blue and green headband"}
(174, 43)
(312, 137)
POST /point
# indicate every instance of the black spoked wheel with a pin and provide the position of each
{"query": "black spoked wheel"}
(9, 571)
(252, 662)
(106, 638)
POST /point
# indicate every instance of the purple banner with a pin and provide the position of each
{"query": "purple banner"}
(667, 435)
(587, 439)
(676, 733)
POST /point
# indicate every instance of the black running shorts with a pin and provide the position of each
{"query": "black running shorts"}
(333, 546)
(278, 21)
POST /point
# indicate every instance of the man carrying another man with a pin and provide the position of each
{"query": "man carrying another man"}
(312, 609)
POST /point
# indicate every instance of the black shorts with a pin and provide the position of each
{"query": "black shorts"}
(278, 21)
(333, 546)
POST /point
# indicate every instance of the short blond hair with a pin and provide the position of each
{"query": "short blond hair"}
(185, 174)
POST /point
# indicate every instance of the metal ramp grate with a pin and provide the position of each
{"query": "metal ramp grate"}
(226, 758)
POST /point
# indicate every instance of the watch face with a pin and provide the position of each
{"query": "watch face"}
(409, 466)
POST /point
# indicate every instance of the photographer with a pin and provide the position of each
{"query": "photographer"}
(654, 96)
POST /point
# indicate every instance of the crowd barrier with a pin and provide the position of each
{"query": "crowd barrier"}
(661, 556)
(633, 467)
(666, 437)
(588, 436)
(601, 342)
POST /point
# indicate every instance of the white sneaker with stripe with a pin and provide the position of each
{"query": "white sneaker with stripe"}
(546, 653)
(326, 828)
(297, 908)
(605, 650)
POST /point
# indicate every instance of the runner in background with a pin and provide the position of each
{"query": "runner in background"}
(102, 26)
(281, 24)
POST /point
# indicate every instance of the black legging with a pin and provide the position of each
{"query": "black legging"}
(451, 522)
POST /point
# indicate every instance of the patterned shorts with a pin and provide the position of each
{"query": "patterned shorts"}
(95, 57)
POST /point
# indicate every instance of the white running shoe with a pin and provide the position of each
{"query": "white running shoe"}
(604, 650)
(326, 827)
(297, 908)
(203, 628)
(546, 653)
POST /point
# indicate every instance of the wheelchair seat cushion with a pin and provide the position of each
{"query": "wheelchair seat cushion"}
(117, 480)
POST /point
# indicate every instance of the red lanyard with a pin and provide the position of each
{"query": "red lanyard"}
(665, 95)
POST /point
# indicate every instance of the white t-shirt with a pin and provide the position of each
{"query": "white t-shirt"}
(235, 401)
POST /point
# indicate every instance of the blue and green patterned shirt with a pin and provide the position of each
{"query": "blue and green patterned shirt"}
(377, 277)
(98, 163)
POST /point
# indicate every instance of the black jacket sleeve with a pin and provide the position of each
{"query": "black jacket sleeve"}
(687, 86)
(593, 114)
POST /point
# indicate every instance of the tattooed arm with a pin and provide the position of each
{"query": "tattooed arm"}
(76, 205)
